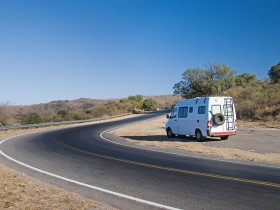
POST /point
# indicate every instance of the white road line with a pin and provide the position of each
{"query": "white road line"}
(83, 184)
(183, 155)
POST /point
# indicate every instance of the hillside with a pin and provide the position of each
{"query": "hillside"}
(257, 102)
(55, 106)
(78, 109)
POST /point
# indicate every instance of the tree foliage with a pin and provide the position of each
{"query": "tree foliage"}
(32, 118)
(149, 104)
(212, 80)
(245, 79)
(136, 100)
(274, 73)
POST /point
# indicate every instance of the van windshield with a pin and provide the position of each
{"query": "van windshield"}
(216, 109)
(173, 113)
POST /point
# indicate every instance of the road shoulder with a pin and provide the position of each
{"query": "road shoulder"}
(257, 146)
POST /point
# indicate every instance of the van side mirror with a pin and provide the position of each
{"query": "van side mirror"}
(167, 116)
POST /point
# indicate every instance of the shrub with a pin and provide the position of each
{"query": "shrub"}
(32, 118)
(149, 104)
(258, 101)
(274, 73)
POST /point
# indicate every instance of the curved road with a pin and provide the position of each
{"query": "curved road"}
(169, 181)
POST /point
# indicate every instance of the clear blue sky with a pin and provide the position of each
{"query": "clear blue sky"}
(66, 49)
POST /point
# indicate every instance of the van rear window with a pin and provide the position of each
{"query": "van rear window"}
(201, 110)
(216, 109)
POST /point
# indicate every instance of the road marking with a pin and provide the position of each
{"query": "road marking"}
(171, 169)
(150, 203)
(183, 155)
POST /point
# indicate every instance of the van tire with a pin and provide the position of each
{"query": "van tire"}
(169, 133)
(198, 136)
(219, 119)
(224, 137)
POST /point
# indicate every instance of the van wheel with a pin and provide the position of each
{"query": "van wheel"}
(198, 135)
(169, 133)
(224, 137)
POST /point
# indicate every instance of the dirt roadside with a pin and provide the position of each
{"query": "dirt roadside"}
(19, 191)
(257, 144)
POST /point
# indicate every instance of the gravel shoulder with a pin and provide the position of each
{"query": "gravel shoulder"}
(259, 145)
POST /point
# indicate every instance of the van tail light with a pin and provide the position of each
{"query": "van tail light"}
(209, 125)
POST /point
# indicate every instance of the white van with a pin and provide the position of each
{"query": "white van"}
(203, 117)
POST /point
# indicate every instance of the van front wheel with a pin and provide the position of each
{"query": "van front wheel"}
(198, 135)
(169, 133)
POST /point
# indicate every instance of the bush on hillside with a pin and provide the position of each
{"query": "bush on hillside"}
(32, 118)
(149, 105)
(5, 116)
(259, 101)
(274, 73)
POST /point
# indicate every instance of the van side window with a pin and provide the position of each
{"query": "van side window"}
(216, 109)
(201, 110)
(173, 113)
(183, 112)
(191, 110)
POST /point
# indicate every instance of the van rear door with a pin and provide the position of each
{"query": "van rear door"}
(216, 109)
(225, 107)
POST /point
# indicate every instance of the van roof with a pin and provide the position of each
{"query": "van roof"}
(199, 100)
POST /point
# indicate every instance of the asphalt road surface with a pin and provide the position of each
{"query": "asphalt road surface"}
(90, 164)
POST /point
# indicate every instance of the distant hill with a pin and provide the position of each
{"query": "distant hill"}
(165, 100)
(83, 108)
(55, 106)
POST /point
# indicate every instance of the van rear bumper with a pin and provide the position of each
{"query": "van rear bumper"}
(227, 133)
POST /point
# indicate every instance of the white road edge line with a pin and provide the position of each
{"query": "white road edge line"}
(83, 184)
(183, 155)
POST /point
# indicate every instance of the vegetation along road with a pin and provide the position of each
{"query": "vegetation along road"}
(78, 159)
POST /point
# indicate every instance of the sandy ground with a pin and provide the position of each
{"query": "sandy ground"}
(18, 191)
(260, 145)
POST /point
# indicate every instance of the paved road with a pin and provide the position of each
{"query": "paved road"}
(80, 154)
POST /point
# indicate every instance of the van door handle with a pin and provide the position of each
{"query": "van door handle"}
(175, 120)
(197, 121)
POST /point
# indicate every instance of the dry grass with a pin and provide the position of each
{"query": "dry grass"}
(21, 192)
(255, 124)
(152, 133)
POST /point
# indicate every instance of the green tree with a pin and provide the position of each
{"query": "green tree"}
(149, 104)
(220, 77)
(245, 79)
(136, 100)
(212, 80)
(32, 118)
(274, 73)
